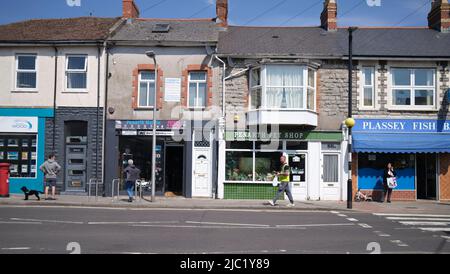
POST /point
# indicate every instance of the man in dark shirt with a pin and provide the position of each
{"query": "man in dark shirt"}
(131, 174)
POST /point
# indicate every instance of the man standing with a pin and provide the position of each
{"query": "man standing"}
(131, 174)
(283, 178)
(50, 169)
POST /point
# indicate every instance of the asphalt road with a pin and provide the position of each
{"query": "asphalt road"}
(102, 230)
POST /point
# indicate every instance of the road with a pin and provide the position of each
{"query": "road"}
(106, 230)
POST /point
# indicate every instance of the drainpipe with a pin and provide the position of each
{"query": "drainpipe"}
(54, 99)
(223, 84)
(96, 117)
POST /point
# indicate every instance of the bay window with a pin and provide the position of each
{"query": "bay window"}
(413, 87)
(279, 87)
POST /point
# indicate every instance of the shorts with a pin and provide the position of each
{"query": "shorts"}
(50, 182)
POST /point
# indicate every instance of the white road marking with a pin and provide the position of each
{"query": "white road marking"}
(411, 215)
(342, 215)
(334, 212)
(47, 221)
(215, 226)
(352, 219)
(313, 225)
(445, 237)
(127, 223)
(213, 223)
(426, 223)
(22, 223)
(434, 229)
(364, 225)
(403, 245)
(16, 248)
(418, 219)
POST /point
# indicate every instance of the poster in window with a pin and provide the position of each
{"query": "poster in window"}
(13, 155)
(24, 142)
(2, 142)
(33, 155)
(24, 169)
(13, 142)
(33, 142)
(13, 168)
(24, 155)
(33, 169)
(1, 155)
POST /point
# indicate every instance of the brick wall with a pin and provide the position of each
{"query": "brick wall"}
(397, 195)
(444, 176)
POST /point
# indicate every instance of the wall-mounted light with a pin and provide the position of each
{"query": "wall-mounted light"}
(111, 110)
(236, 118)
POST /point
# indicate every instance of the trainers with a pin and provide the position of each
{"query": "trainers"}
(271, 203)
(290, 205)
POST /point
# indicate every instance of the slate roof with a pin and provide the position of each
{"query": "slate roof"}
(195, 30)
(315, 41)
(68, 29)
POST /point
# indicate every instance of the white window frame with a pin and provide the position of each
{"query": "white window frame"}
(412, 87)
(148, 82)
(304, 87)
(363, 86)
(197, 82)
(255, 87)
(17, 70)
(85, 70)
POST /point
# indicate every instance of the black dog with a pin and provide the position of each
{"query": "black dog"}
(31, 193)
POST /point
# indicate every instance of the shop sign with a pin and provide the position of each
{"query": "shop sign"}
(148, 124)
(19, 124)
(282, 135)
(401, 126)
(158, 133)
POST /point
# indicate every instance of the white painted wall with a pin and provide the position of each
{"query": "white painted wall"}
(313, 169)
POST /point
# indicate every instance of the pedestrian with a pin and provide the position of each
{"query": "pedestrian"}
(50, 169)
(283, 179)
(388, 173)
(131, 174)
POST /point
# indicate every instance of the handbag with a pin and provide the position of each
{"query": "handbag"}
(392, 182)
(275, 181)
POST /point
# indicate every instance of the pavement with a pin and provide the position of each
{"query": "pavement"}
(412, 207)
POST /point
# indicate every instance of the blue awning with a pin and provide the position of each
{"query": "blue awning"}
(401, 143)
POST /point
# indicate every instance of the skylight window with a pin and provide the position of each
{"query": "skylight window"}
(161, 28)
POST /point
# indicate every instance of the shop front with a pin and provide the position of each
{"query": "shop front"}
(22, 145)
(184, 155)
(418, 149)
(252, 159)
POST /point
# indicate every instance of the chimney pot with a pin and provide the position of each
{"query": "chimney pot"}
(222, 12)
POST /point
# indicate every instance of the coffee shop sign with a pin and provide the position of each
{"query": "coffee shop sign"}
(402, 126)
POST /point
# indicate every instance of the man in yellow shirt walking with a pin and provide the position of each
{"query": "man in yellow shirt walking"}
(283, 178)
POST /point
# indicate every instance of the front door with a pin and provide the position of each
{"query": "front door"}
(426, 176)
(202, 173)
(297, 163)
(329, 185)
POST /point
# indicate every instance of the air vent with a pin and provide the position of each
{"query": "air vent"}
(161, 28)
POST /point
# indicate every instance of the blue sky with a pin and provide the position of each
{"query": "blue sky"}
(242, 12)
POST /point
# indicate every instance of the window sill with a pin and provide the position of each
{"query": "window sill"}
(76, 91)
(393, 108)
(25, 91)
(144, 108)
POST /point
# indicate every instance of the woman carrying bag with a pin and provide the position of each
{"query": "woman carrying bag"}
(389, 182)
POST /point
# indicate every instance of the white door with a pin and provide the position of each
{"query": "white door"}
(297, 163)
(330, 186)
(202, 173)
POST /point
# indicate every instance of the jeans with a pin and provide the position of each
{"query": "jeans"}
(129, 186)
(284, 186)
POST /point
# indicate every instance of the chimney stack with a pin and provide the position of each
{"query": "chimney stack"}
(328, 18)
(222, 12)
(439, 16)
(129, 9)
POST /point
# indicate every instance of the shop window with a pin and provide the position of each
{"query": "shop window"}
(269, 145)
(26, 71)
(20, 151)
(413, 87)
(296, 145)
(76, 72)
(266, 165)
(239, 166)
